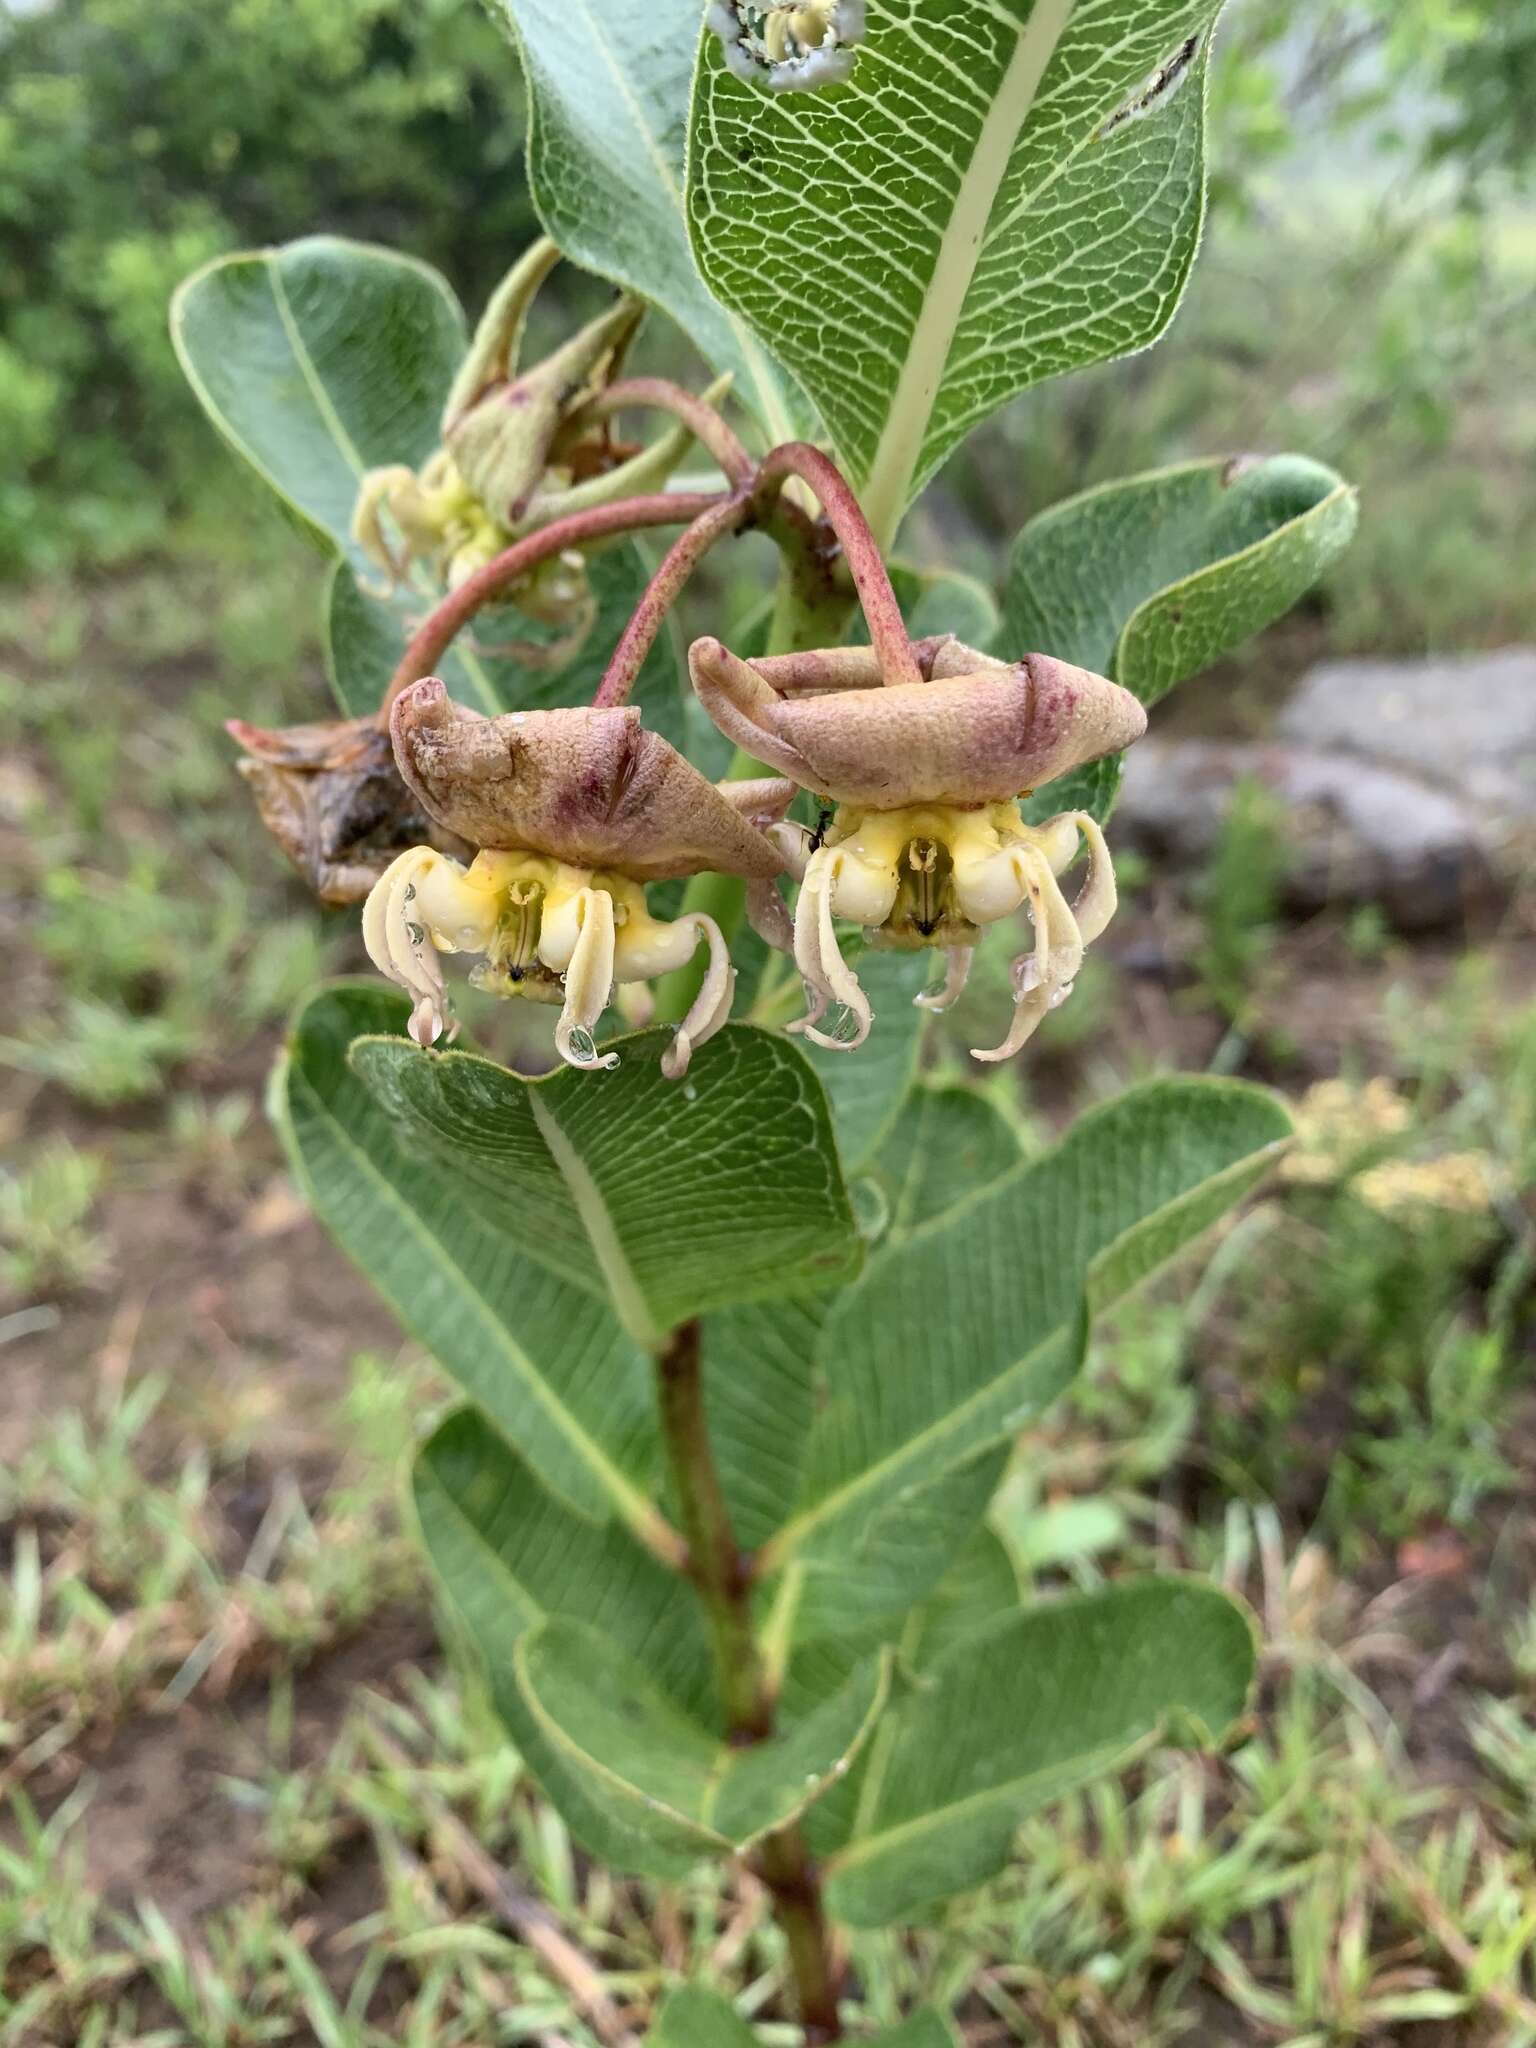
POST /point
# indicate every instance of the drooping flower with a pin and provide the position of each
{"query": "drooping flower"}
(925, 843)
(574, 812)
(331, 796)
(789, 45)
(516, 452)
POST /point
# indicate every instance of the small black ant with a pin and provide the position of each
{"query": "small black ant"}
(823, 820)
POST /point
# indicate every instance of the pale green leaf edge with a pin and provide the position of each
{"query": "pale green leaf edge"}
(268, 259)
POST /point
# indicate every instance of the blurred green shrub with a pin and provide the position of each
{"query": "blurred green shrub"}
(135, 143)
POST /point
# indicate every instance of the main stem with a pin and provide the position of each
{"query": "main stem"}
(716, 1563)
(723, 1574)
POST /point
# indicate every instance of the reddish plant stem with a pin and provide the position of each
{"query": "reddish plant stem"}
(861, 551)
(442, 626)
(722, 1574)
(718, 1566)
(784, 1864)
(729, 515)
(659, 394)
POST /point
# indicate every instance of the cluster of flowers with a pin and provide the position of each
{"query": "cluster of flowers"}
(575, 811)
(528, 840)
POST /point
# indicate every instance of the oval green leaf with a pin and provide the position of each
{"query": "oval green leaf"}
(666, 1198)
(644, 1785)
(1008, 1722)
(320, 361)
(1151, 579)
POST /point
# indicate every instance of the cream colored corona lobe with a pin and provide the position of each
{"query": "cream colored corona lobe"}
(926, 843)
(574, 812)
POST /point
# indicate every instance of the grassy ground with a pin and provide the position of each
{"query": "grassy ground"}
(242, 1788)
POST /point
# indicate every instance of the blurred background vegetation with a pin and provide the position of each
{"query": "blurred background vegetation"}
(212, 1837)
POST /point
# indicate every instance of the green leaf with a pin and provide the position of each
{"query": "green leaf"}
(1010, 1721)
(1152, 579)
(544, 1359)
(892, 1547)
(608, 86)
(501, 665)
(695, 2018)
(948, 1144)
(319, 361)
(511, 1554)
(866, 1088)
(639, 1782)
(987, 1307)
(975, 210)
(666, 1198)
(924, 2030)
(760, 1398)
(978, 1590)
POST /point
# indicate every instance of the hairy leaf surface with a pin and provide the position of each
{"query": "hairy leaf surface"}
(1152, 579)
(1009, 1721)
(667, 1198)
(1009, 191)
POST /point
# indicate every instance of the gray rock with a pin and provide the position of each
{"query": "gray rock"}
(1466, 723)
(1356, 831)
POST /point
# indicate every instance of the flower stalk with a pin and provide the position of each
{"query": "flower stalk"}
(442, 626)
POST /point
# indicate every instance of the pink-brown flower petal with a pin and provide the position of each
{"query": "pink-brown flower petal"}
(981, 736)
(590, 787)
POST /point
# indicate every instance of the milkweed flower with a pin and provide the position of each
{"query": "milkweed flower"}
(926, 844)
(574, 812)
(789, 45)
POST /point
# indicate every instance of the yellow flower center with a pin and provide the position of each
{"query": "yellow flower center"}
(929, 874)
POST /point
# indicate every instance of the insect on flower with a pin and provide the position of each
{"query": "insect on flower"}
(574, 812)
(927, 843)
(789, 45)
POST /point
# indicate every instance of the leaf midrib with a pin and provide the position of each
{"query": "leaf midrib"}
(917, 388)
(1250, 1166)
(1102, 1756)
(596, 1218)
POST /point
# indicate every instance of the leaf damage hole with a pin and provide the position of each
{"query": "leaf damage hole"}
(1157, 91)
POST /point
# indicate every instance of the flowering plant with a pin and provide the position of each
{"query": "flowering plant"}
(746, 1308)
